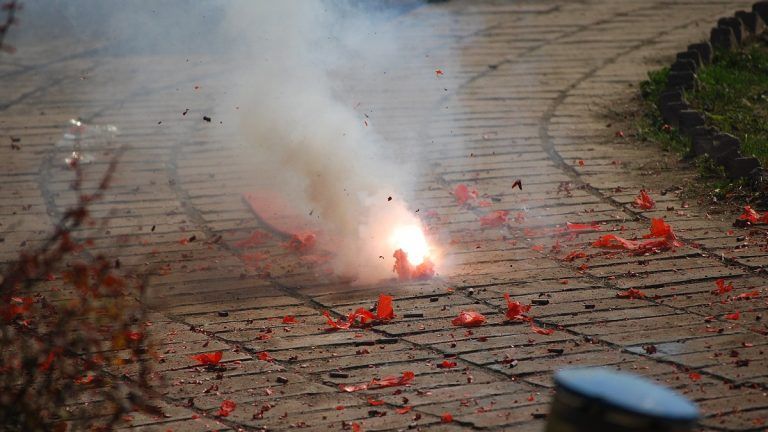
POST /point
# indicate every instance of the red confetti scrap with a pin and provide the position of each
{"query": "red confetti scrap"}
(750, 215)
(694, 376)
(208, 358)
(384, 310)
(289, 319)
(404, 410)
(446, 418)
(339, 407)
(447, 364)
(362, 316)
(439, 72)
(722, 288)
(644, 201)
(405, 271)
(541, 331)
(632, 293)
(256, 238)
(659, 229)
(356, 427)
(516, 310)
(390, 381)
(580, 162)
(747, 295)
(374, 402)
(226, 407)
(582, 227)
(301, 242)
(468, 319)
(733, 316)
(463, 194)
(573, 255)
(494, 219)
(264, 356)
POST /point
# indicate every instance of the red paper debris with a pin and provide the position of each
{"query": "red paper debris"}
(573, 255)
(644, 201)
(264, 356)
(694, 376)
(468, 319)
(301, 242)
(384, 310)
(337, 324)
(733, 316)
(289, 319)
(750, 215)
(722, 288)
(541, 331)
(582, 227)
(391, 381)
(659, 229)
(439, 72)
(362, 316)
(516, 310)
(632, 293)
(256, 238)
(494, 219)
(374, 402)
(747, 295)
(446, 418)
(226, 407)
(447, 364)
(356, 427)
(212, 358)
(404, 410)
(464, 194)
(405, 271)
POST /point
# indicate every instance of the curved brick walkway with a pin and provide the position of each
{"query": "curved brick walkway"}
(527, 98)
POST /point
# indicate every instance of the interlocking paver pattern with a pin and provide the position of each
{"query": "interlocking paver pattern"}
(528, 97)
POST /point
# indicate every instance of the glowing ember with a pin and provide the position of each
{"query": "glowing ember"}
(411, 240)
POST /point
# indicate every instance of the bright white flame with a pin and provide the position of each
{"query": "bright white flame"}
(412, 241)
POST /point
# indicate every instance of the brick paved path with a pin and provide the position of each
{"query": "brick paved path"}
(539, 76)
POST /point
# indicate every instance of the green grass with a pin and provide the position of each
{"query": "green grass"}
(734, 95)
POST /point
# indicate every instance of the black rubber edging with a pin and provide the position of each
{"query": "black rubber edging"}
(725, 149)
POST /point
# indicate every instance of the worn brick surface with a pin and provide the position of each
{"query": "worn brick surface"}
(528, 97)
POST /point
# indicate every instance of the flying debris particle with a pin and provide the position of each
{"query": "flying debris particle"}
(439, 72)
(206, 118)
(446, 418)
(518, 183)
(185, 112)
